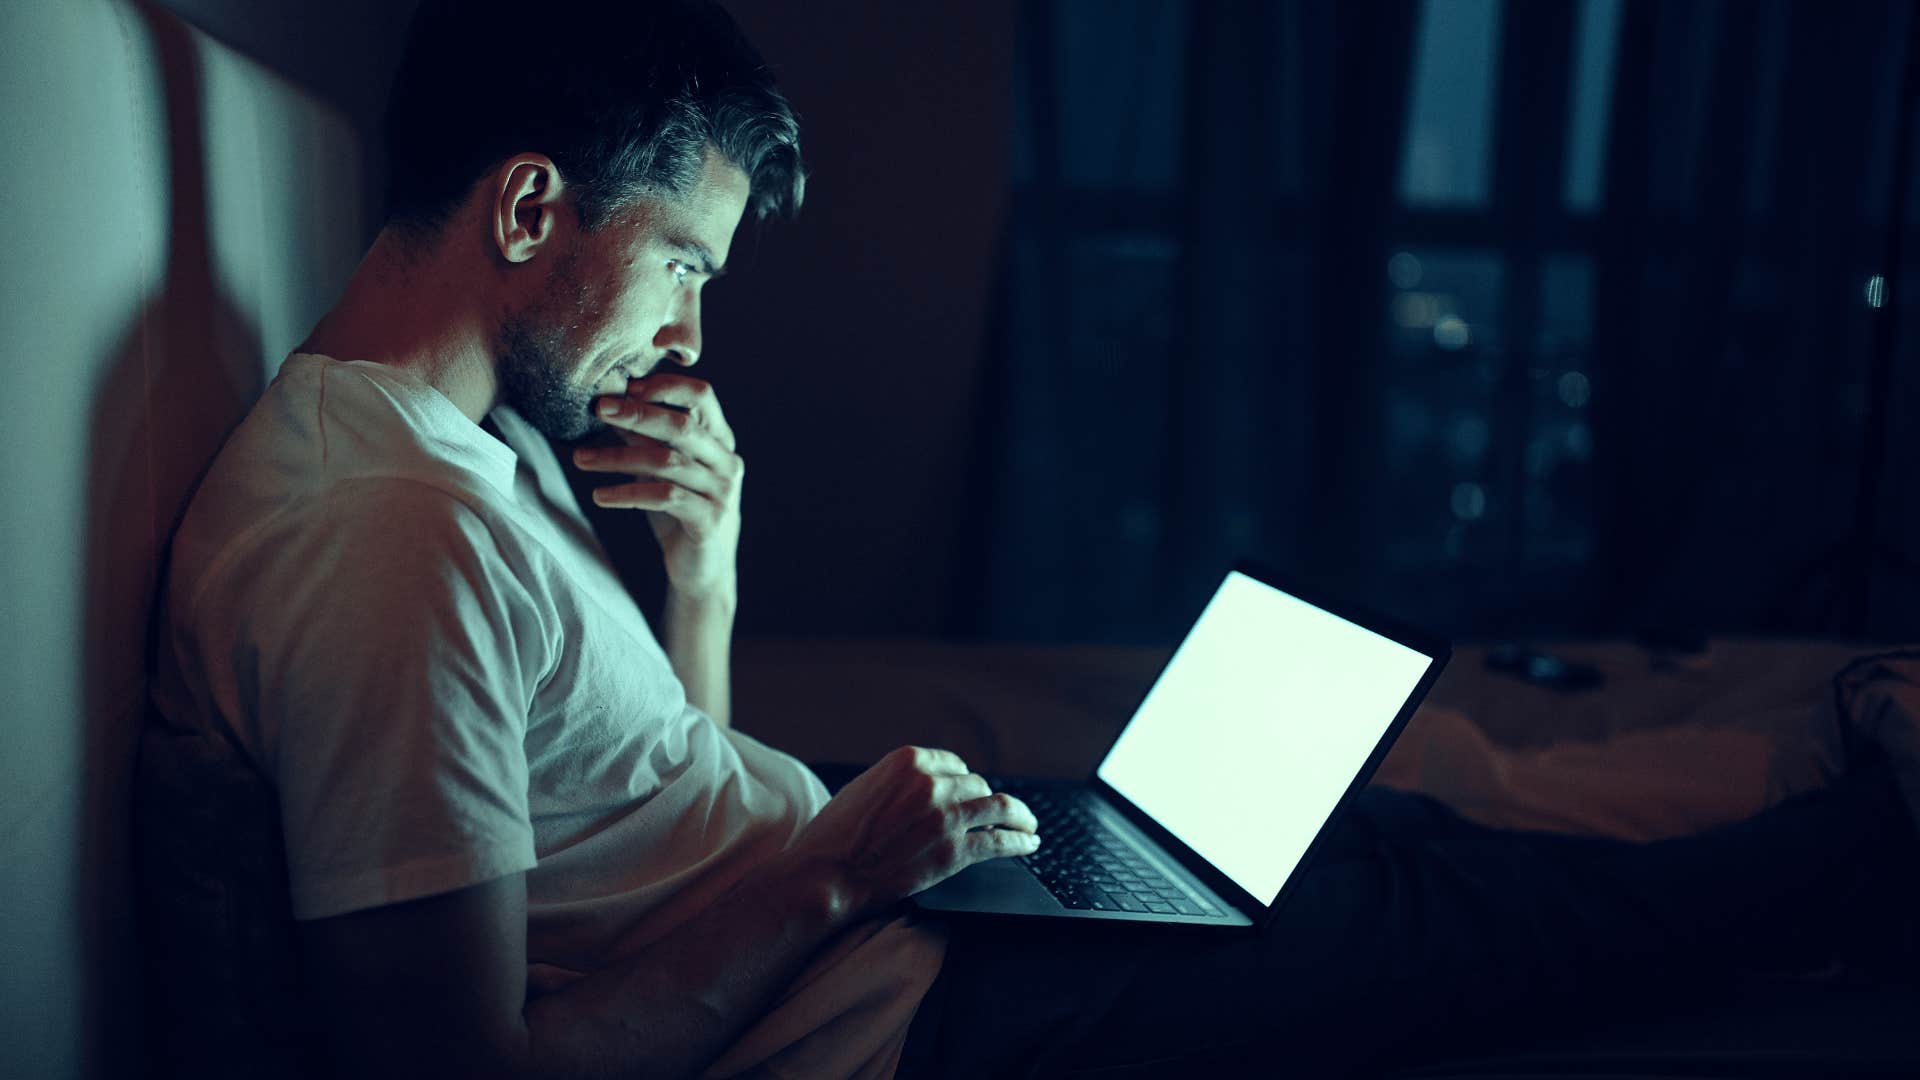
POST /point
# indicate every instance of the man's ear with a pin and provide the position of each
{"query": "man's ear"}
(528, 192)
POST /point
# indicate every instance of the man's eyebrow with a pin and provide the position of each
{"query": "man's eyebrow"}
(701, 255)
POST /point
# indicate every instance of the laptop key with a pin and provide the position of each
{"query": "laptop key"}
(1086, 867)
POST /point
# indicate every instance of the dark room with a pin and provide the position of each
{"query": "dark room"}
(1306, 538)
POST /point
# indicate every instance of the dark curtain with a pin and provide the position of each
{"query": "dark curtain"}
(1522, 318)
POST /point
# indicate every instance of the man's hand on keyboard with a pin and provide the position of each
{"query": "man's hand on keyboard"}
(915, 819)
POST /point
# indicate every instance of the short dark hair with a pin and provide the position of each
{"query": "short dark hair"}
(624, 95)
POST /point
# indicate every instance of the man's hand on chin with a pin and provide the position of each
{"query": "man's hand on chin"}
(686, 476)
(685, 473)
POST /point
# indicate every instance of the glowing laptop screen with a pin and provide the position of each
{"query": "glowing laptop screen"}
(1265, 714)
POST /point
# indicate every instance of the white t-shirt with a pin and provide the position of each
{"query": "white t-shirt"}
(410, 627)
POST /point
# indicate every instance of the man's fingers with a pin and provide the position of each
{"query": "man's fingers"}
(998, 809)
(998, 844)
(694, 395)
(649, 460)
(676, 429)
(690, 509)
(931, 760)
(960, 789)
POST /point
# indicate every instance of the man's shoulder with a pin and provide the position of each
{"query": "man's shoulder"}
(339, 532)
(327, 469)
(324, 420)
(394, 508)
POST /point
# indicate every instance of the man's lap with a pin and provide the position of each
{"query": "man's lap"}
(1416, 931)
(1033, 991)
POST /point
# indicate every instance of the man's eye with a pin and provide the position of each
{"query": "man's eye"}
(679, 269)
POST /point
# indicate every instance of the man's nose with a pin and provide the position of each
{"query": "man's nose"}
(680, 337)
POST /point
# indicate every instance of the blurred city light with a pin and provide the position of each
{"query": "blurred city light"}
(1574, 390)
(1403, 270)
(1469, 501)
(1416, 310)
(1579, 442)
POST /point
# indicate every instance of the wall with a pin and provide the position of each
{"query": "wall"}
(190, 215)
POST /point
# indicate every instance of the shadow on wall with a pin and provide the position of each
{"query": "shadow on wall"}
(185, 370)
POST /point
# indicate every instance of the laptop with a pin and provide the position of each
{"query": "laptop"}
(1270, 716)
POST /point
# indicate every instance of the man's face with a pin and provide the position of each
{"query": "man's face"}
(619, 301)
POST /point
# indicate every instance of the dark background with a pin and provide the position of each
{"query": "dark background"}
(1518, 319)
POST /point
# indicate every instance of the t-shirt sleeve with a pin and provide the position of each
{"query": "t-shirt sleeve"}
(394, 655)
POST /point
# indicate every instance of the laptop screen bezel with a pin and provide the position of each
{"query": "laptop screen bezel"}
(1438, 651)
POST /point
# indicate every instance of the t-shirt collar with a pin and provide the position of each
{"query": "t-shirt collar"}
(438, 420)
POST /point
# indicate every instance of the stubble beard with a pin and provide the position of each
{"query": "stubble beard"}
(535, 359)
(533, 365)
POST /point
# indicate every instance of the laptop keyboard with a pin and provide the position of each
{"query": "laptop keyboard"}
(1085, 865)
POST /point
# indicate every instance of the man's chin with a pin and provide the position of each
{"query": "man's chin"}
(562, 422)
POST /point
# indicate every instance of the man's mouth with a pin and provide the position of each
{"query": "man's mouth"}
(619, 374)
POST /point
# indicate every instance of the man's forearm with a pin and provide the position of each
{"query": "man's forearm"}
(675, 1006)
(699, 638)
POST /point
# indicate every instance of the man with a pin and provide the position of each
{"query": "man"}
(491, 781)
(523, 839)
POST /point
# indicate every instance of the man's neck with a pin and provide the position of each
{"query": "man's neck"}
(407, 307)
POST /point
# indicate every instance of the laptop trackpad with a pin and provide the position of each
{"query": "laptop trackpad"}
(1002, 885)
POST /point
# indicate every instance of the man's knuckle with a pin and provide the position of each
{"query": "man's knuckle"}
(925, 832)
